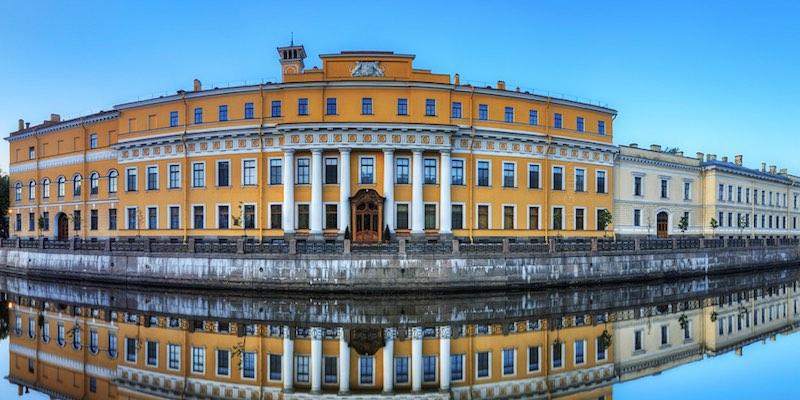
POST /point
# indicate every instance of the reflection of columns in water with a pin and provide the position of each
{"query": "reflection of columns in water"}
(344, 363)
(444, 355)
(416, 359)
(287, 359)
(316, 359)
(388, 359)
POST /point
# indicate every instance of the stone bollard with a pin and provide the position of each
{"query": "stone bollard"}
(702, 243)
(594, 245)
(190, 245)
(551, 246)
(73, 244)
(637, 245)
(506, 246)
(240, 246)
(41, 243)
(292, 246)
(724, 242)
(746, 242)
(147, 242)
(19, 243)
(346, 246)
(108, 245)
(674, 244)
(456, 246)
(401, 246)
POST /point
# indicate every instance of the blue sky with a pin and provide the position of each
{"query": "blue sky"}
(703, 76)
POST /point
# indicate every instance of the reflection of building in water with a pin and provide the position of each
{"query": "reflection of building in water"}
(84, 353)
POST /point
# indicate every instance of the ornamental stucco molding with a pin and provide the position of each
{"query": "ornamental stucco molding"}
(64, 161)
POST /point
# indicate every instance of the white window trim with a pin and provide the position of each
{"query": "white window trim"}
(297, 214)
(563, 356)
(436, 177)
(633, 184)
(477, 162)
(147, 177)
(255, 366)
(563, 177)
(435, 204)
(191, 360)
(127, 172)
(463, 171)
(503, 362)
(575, 219)
(146, 348)
(255, 214)
(205, 216)
(127, 224)
(324, 214)
(180, 355)
(242, 173)
(489, 212)
(205, 175)
(575, 352)
(528, 171)
(463, 214)
(597, 353)
(180, 177)
(563, 217)
(642, 340)
(528, 356)
(125, 354)
(269, 213)
(297, 171)
(375, 178)
(180, 214)
(597, 220)
(479, 378)
(408, 214)
(216, 172)
(394, 173)
(269, 171)
(216, 215)
(514, 164)
(633, 217)
(338, 375)
(464, 370)
(269, 365)
(436, 362)
(668, 335)
(216, 359)
(394, 371)
(358, 366)
(514, 219)
(324, 178)
(605, 180)
(575, 179)
(147, 216)
(662, 179)
(528, 216)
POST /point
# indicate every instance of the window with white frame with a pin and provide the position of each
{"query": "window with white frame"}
(367, 170)
(198, 174)
(580, 180)
(509, 174)
(249, 172)
(558, 178)
(482, 364)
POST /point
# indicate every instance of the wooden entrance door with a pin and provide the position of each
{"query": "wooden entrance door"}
(662, 225)
(366, 208)
(63, 227)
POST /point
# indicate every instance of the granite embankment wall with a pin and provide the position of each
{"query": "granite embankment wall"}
(387, 272)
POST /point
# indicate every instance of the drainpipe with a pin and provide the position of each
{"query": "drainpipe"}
(186, 168)
(261, 165)
(546, 172)
(471, 167)
(84, 177)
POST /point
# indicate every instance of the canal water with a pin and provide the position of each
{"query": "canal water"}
(729, 336)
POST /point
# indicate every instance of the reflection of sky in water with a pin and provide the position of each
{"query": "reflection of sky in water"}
(7, 390)
(765, 371)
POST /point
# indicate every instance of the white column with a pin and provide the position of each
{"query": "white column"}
(315, 213)
(388, 188)
(344, 364)
(416, 359)
(388, 360)
(316, 360)
(287, 360)
(445, 205)
(444, 357)
(417, 206)
(288, 191)
(344, 190)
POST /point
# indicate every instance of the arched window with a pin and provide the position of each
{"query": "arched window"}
(18, 191)
(76, 185)
(94, 183)
(46, 188)
(112, 181)
(61, 184)
(31, 190)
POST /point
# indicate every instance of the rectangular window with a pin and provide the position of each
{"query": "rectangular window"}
(131, 183)
(482, 364)
(579, 124)
(76, 218)
(198, 217)
(152, 178)
(152, 353)
(198, 175)
(508, 115)
(637, 185)
(557, 123)
(130, 348)
(330, 367)
(401, 370)
(533, 218)
(249, 365)
(664, 189)
(402, 216)
(457, 216)
(483, 216)
(637, 340)
(601, 349)
(402, 106)
(601, 127)
(457, 367)
(483, 173)
(508, 217)
(533, 117)
(331, 216)
(430, 107)
(223, 173)
(457, 172)
(456, 112)
(248, 172)
(303, 171)
(534, 179)
(249, 211)
(580, 219)
(558, 218)
(112, 219)
(275, 216)
(429, 171)
(275, 171)
(173, 119)
(174, 217)
(223, 362)
(198, 115)
(46, 221)
(274, 361)
(249, 110)
(687, 190)
(580, 352)
(557, 356)
(223, 216)
(664, 335)
(558, 178)
(509, 174)
(580, 180)
(533, 359)
(366, 106)
(275, 109)
(430, 216)
(483, 112)
(223, 113)
(174, 176)
(429, 369)
(367, 170)
(739, 194)
(331, 171)
(302, 106)
(330, 106)
(601, 181)
(152, 218)
(365, 370)
(93, 141)
(93, 220)
(198, 360)
(401, 171)
(32, 222)
(302, 216)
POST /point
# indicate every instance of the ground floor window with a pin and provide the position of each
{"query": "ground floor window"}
(402, 216)
(558, 218)
(430, 216)
(302, 216)
(275, 216)
(483, 217)
(331, 216)
(457, 216)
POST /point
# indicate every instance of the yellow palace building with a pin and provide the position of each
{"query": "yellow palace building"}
(366, 143)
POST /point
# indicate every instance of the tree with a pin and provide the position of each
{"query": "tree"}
(714, 225)
(386, 233)
(604, 219)
(237, 219)
(683, 225)
(4, 201)
(347, 233)
(41, 224)
(741, 224)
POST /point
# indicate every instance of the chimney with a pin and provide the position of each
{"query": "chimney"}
(457, 79)
(55, 118)
(501, 85)
(784, 171)
(27, 125)
(763, 167)
(680, 153)
(724, 158)
(699, 156)
(739, 160)
(634, 145)
(773, 169)
(197, 85)
(655, 147)
(711, 157)
(21, 125)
